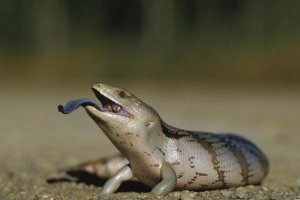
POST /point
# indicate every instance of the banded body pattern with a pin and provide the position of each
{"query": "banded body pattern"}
(206, 160)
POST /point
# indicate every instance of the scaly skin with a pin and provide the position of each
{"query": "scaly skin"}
(160, 154)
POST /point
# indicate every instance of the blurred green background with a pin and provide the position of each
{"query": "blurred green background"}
(217, 41)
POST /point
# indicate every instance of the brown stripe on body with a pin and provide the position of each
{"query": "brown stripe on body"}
(209, 148)
(172, 132)
(241, 159)
(251, 148)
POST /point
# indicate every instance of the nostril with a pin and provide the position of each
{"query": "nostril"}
(97, 86)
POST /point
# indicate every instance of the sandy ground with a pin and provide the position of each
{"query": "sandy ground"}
(36, 140)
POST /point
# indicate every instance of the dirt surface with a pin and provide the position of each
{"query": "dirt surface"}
(36, 140)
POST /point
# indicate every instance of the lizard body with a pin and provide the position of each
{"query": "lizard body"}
(166, 158)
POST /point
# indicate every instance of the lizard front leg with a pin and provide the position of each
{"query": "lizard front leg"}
(168, 181)
(112, 184)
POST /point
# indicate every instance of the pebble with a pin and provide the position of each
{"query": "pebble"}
(243, 193)
(265, 189)
(250, 187)
(175, 195)
(23, 193)
(185, 195)
(226, 193)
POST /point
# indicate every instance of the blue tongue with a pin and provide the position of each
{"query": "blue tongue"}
(74, 104)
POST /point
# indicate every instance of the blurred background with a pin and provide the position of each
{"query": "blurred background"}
(225, 41)
(218, 65)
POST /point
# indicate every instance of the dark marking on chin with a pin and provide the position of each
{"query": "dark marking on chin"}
(148, 154)
(161, 151)
(155, 165)
(178, 150)
(175, 163)
(180, 175)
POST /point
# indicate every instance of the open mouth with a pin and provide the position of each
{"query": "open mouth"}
(109, 105)
(105, 105)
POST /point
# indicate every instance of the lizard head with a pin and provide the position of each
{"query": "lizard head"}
(122, 112)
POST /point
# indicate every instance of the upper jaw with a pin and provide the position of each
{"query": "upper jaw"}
(109, 105)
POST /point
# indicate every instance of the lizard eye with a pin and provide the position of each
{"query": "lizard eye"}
(122, 94)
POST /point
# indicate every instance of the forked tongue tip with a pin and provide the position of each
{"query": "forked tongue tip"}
(74, 104)
(61, 109)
